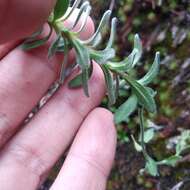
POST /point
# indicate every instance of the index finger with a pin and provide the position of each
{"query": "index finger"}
(20, 18)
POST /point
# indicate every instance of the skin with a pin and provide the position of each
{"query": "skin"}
(69, 118)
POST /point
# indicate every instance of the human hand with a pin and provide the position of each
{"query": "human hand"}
(28, 153)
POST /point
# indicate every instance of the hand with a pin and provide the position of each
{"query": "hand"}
(28, 153)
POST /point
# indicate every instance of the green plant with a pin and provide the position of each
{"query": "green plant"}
(116, 73)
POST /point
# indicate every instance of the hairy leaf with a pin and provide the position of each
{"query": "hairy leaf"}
(137, 146)
(112, 33)
(152, 73)
(77, 81)
(103, 23)
(126, 109)
(54, 46)
(151, 167)
(143, 95)
(83, 60)
(109, 84)
(37, 43)
(102, 56)
(171, 161)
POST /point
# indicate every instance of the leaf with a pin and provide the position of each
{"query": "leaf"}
(77, 81)
(85, 19)
(34, 36)
(152, 73)
(85, 6)
(60, 8)
(137, 146)
(183, 142)
(54, 46)
(149, 135)
(102, 56)
(129, 62)
(64, 63)
(126, 109)
(151, 167)
(143, 95)
(72, 9)
(171, 161)
(138, 48)
(124, 65)
(112, 33)
(151, 91)
(37, 43)
(103, 23)
(109, 84)
(83, 60)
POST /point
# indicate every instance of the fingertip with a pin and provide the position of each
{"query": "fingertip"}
(97, 140)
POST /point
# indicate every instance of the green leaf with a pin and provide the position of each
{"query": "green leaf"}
(138, 48)
(152, 73)
(83, 60)
(151, 91)
(64, 63)
(137, 146)
(54, 46)
(171, 161)
(143, 95)
(151, 167)
(112, 33)
(183, 142)
(129, 62)
(102, 56)
(149, 135)
(103, 23)
(109, 84)
(77, 81)
(60, 8)
(84, 7)
(124, 65)
(37, 43)
(73, 8)
(126, 109)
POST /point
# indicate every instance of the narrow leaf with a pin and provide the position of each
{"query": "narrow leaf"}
(143, 95)
(109, 84)
(151, 167)
(103, 23)
(126, 109)
(37, 43)
(82, 10)
(171, 161)
(152, 73)
(137, 146)
(77, 81)
(72, 9)
(149, 135)
(54, 46)
(64, 63)
(83, 60)
(102, 56)
(112, 33)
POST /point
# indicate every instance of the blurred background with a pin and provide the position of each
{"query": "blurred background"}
(163, 25)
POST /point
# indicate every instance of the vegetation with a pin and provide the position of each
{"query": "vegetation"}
(163, 25)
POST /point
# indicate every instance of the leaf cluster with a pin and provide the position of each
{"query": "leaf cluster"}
(87, 51)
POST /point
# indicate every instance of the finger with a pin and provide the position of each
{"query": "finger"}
(24, 78)
(90, 159)
(6, 48)
(19, 18)
(34, 150)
